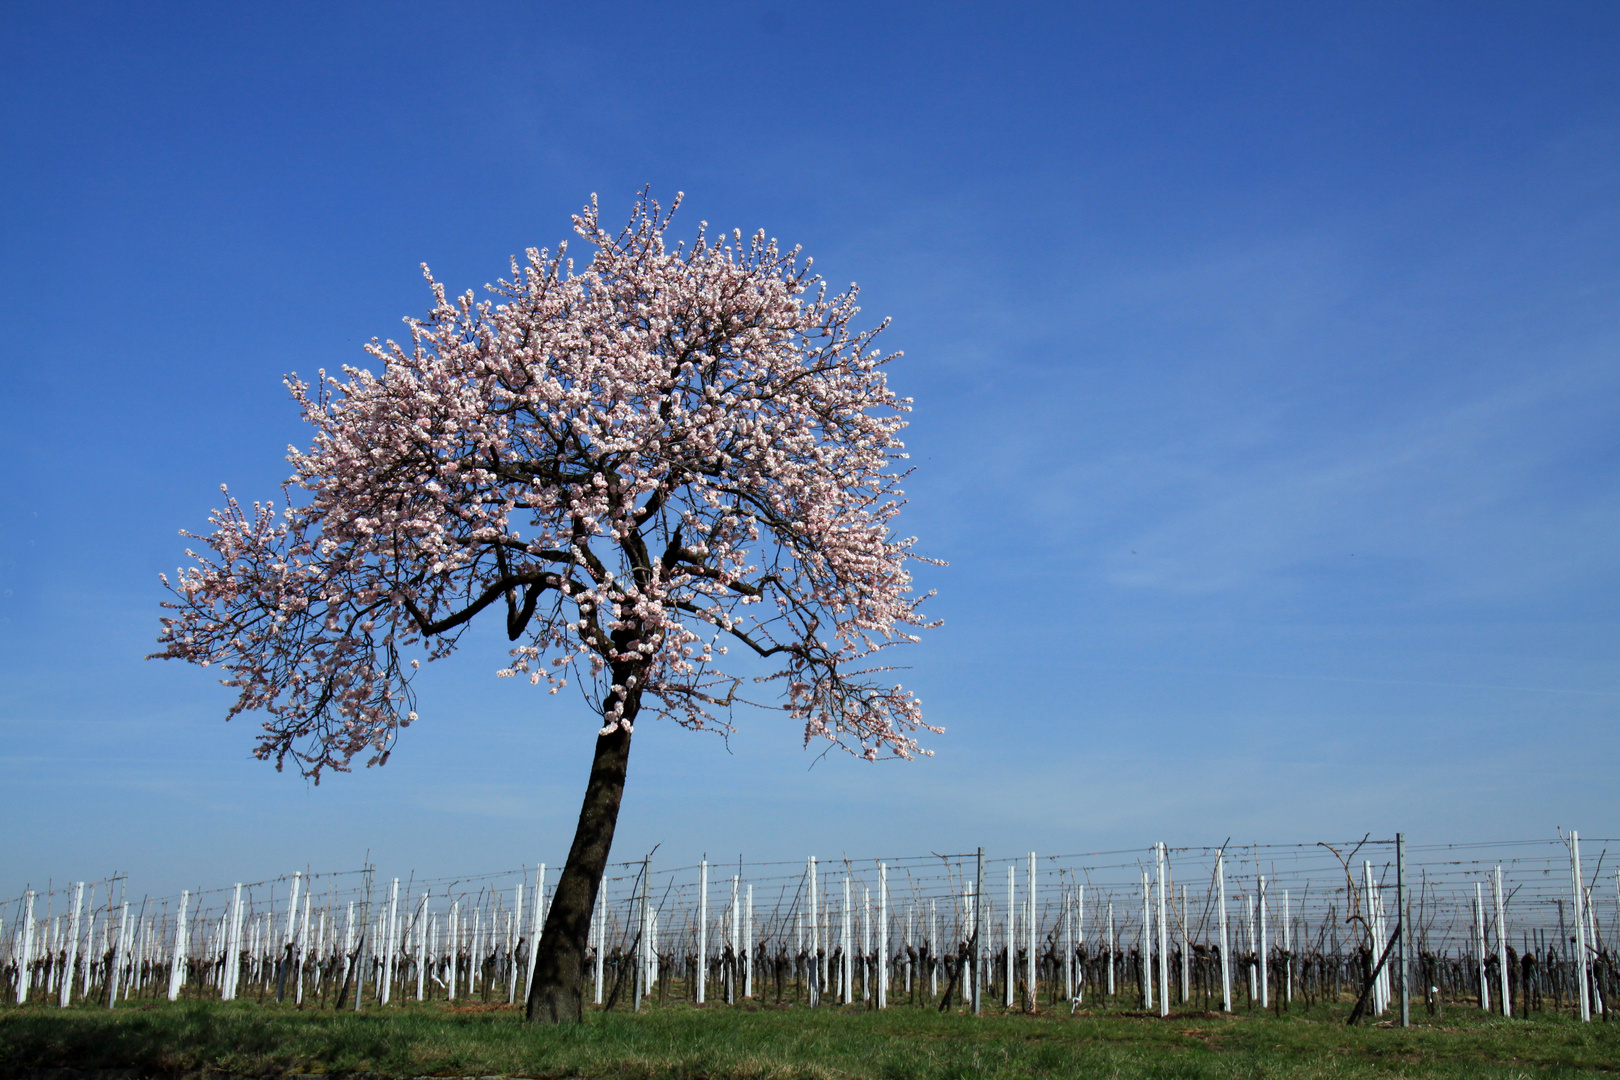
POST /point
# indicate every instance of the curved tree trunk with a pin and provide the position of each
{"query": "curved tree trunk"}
(557, 994)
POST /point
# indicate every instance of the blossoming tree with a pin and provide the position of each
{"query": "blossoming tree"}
(639, 464)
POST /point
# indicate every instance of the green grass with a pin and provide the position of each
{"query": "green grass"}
(248, 1039)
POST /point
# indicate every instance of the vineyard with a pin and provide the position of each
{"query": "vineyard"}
(1512, 928)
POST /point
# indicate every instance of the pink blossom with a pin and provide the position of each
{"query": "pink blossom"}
(638, 462)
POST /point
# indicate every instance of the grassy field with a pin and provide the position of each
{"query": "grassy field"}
(256, 1040)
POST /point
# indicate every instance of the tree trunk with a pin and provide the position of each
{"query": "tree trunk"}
(557, 995)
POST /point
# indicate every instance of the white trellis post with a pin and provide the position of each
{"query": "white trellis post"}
(1079, 940)
(292, 917)
(238, 948)
(1580, 925)
(26, 950)
(116, 968)
(1501, 945)
(454, 950)
(83, 977)
(1288, 951)
(866, 945)
(601, 937)
(654, 963)
(748, 943)
(421, 945)
(1146, 952)
(218, 943)
(1164, 931)
(883, 937)
(460, 942)
(703, 929)
(517, 931)
(70, 966)
(815, 937)
(1029, 938)
(303, 948)
(1068, 945)
(1111, 948)
(1012, 938)
(824, 968)
(1262, 957)
(736, 943)
(177, 965)
(55, 939)
(342, 970)
(973, 933)
(1375, 925)
(846, 944)
(907, 942)
(380, 953)
(1248, 926)
(537, 927)
(233, 962)
(1479, 947)
(389, 942)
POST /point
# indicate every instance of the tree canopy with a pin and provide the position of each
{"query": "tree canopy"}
(669, 453)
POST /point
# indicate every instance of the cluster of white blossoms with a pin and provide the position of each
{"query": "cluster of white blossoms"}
(640, 463)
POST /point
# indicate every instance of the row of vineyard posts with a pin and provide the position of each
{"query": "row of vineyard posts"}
(839, 941)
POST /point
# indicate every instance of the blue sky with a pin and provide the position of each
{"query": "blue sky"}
(1268, 404)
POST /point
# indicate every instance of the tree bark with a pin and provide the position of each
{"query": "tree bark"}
(557, 994)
